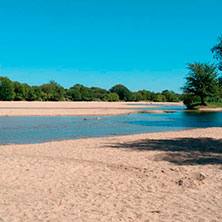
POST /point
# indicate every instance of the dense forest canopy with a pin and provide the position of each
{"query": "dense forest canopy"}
(52, 91)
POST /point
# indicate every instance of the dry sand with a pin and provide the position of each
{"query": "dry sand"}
(71, 108)
(171, 176)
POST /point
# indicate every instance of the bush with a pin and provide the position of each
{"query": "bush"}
(190, 100)
(124, 93)
(6, 89)
(112, 97)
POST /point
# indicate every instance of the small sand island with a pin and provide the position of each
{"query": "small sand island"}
(35, 108)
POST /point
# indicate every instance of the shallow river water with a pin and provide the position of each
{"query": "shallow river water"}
(43, 129)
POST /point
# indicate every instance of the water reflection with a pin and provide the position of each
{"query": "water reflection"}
(183, 120)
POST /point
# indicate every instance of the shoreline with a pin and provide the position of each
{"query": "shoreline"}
(119, 137)
(210, 110)
(163, 176)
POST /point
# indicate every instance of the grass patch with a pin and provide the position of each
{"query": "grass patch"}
(209, 105)
(197, 106)
(214, 104)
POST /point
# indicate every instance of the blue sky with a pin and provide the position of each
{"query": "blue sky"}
(143, 44)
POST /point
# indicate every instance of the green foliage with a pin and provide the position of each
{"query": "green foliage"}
(214, 104)
(219, 89)
(85, 92)
(6, 89)
(158, 97)
(74, 94)
(137, 96)
(170, 96)
(53, 91)
(111, 97)
(201, 81)
(35, 94)
(217, 51)
(190, 101)
(98, 94)
(124, 93)
(21, 91)
(142, 95)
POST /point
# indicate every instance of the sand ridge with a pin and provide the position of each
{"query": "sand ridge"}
(170, 176)
(25, 108)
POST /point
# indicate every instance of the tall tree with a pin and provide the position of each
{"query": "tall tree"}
(6, 89)
(21, 91)
(201, 81)
(34, 94)
(74, 94)
(53, 91)
(217, 51)
(98, 93)
(170, 96)
(146, 95)
(111, 97)
(123, 92)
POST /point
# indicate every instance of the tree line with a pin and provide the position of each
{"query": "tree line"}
(203, 85)
(52, 91)
(203, 82)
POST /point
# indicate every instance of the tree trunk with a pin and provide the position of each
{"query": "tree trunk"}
(203, 101)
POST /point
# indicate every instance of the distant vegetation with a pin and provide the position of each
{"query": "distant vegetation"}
(203, 85)
(52, 91)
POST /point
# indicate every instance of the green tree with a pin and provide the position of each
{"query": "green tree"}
(190, 100)
(21, 91)
(219, 92)
(53, 91)
(170, 96)
(159, 98)
(98, 93)
(137, 96)
(34, 94)
(124, 93)
(6, 89)
(111, 97)
(217, 51)
(201, 81)
(146, 95)
(86, 93)
(74, 94)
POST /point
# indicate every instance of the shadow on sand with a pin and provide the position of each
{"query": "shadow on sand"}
(181, 151)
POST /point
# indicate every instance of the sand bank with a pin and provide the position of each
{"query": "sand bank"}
(72, 108)
(211, 109)
(170, 176)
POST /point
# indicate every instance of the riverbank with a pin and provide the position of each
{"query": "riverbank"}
(171, 176)
(210, 109)
(73, 108)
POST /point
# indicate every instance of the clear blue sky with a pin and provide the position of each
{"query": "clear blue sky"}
(143, 44)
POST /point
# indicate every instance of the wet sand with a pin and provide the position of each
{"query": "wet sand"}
(170, 176)
(72, 108)
(219, 109)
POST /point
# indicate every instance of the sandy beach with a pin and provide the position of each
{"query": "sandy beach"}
(170, 176)
(81, 138)
(72, 108)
